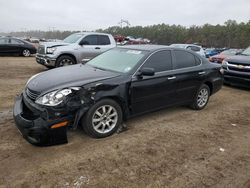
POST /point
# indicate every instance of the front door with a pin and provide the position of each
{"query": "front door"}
(89, 48)
(153, 92)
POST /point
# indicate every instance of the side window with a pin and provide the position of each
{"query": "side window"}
(4, 41)
(103, 40)
(13, 41)
(90, 40)
(197, 61)
(184, 59)
(159, 61)
(194, 48)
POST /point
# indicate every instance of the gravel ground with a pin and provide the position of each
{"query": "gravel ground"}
(176, 147)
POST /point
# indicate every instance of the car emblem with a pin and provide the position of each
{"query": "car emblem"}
(240, 66)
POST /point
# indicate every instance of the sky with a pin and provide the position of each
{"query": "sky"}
(23, 15)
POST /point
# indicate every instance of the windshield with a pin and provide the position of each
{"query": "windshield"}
(229, 52)
(118, 60)
(72, 38)
(246, 51)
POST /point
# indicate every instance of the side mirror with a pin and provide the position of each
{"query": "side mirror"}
(147, 72)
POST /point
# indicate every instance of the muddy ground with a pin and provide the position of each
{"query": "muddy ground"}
(176, 147)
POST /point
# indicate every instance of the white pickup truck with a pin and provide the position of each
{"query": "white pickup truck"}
(76, 48)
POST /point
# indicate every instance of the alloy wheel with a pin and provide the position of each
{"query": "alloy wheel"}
(202, 97)
(26, 53)
(65, 62)
(104, 119)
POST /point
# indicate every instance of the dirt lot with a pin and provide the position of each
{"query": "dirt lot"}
(176, 147)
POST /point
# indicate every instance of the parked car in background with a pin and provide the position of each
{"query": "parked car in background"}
(193, 47)
(116, 85)
(211, 52)
(237, 69)
(76, 48)
(220, 57)
(13, 45)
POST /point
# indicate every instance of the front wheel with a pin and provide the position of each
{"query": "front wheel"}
(26, 53)
(103, 119)
(65, 60)
(202, 98)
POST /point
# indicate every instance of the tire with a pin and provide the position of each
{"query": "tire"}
(201, 98)
(65, 60)
(26, 53)
(100, 123)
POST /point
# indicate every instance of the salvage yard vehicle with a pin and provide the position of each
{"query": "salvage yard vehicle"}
(13, 45)
(211, 52)
(116, 85)
(193, 47)
(76, 48)
(237, 69)
(220, 57)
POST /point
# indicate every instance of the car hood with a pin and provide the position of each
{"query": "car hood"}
(239, 59)
(70, 76)
(54, 44)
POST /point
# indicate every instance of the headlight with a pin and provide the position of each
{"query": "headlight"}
(55, 97)
(51, 50)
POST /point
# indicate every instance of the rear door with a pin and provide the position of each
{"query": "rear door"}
(153, 92)
(104, 43)
(190, 73)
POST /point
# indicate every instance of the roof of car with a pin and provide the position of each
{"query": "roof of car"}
(145, 47)
(185, 45)
(89, 32)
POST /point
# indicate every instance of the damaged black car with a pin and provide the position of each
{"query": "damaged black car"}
(116, 85)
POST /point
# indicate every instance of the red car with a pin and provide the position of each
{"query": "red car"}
(220, 57)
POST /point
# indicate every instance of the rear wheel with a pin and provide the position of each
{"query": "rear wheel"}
(65, 60)
(103, 119)
(202, 98)
(26, 53)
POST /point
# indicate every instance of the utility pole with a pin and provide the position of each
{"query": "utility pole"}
(124, 22)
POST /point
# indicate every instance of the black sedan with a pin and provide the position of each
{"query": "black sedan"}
(116, 85)
(12, 45)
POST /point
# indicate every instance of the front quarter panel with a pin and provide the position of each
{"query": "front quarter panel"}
(116, 89)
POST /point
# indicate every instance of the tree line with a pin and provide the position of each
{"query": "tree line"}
(231, 34)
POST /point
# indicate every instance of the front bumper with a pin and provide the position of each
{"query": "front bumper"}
(237, 78)
(46, 60)
(37, 130)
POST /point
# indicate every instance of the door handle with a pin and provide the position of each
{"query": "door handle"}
(171, 78)
(97, 48)
(201, 73)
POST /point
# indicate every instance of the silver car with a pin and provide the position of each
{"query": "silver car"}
(76, 48)
(193, 47)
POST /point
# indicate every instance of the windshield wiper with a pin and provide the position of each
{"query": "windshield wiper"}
(100, 68)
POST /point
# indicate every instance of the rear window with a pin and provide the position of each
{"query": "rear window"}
(184, 59)
(103, 40)
(194, 48)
